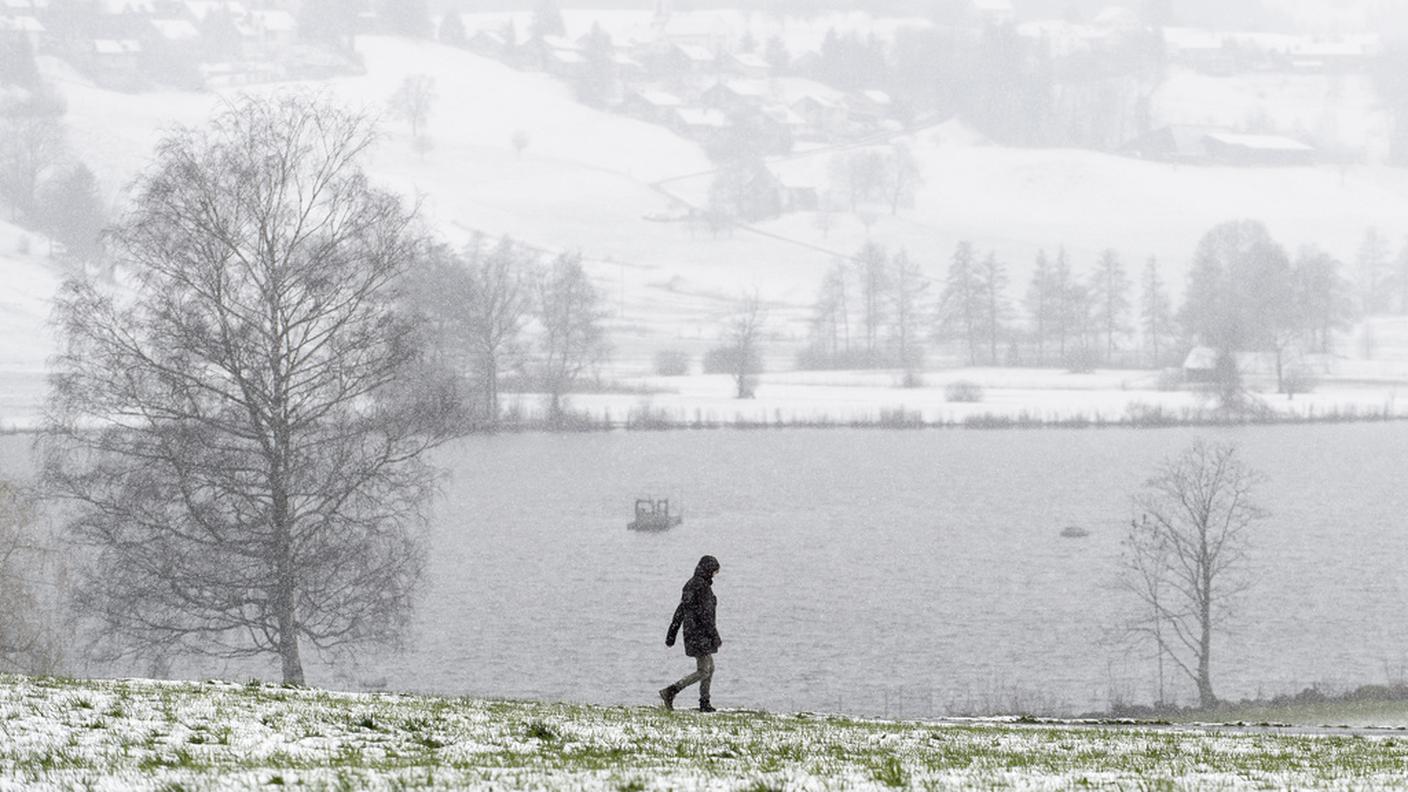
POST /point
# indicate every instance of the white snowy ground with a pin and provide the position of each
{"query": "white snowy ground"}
(1031, 396)
(26, 285)
(139, 734)
(588, 179)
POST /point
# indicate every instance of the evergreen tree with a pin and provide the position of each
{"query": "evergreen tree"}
(547, 20)
(962, 304)
(452, 32)
(1109, 291)
(595, 82)
(1080, 318)
(1062, 286)
(1155, 312)
(70, 210)
(909, 284)
(992, 286)
(1041, 303)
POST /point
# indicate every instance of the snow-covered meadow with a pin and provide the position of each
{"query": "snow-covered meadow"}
(139, 734)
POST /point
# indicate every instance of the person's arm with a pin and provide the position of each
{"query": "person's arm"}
(686, 604)
(675, 625)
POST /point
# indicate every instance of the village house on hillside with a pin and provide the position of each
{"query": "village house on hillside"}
(686, 72)
(133, 44)
(1226, 53)
(1197, 145)
(22, 18)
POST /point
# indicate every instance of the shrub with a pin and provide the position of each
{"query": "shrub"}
(892, 773)
(1170, 379)
(1082, 361)
(965, 391)
(1297, 379)
(541, 731)
(901, 418)
(647, 416)
(671, 363)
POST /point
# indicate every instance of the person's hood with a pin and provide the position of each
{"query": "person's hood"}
(706, 568)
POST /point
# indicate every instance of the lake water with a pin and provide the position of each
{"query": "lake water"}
(908, 573)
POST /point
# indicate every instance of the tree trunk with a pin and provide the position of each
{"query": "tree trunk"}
(284, 609)
(1206, 699)
(286, 585)
(491, 388)
(288, 639)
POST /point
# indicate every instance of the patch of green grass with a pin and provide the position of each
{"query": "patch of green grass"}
(891, 772)
(400, 741)
(538, 730)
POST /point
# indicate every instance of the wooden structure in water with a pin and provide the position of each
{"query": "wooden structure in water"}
(654, 515)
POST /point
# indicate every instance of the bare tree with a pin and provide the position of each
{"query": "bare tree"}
(520, 142)
(903, 176)
(859, 176)
(742, 335)
(497, 310)
(234, 433)
(570, 311)
(831, 332)
(413, 102)
(27, 642)
(871, 265)
(1185, 558)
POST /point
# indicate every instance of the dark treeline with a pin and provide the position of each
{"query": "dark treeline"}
(1244, 294)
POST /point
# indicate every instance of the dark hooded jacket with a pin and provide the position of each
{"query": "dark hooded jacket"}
(696, 612)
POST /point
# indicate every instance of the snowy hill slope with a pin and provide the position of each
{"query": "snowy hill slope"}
(588, 179)
(25, 338)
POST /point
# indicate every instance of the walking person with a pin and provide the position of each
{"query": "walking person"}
(701, 636)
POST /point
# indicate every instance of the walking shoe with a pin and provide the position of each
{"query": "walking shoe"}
(667, 695)
(704, 706)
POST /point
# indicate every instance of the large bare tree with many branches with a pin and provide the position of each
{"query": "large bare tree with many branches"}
(232, 426)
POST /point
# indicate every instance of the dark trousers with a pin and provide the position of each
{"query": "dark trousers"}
(703, 674)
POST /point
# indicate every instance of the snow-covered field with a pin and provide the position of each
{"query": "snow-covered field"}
(138, 734)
